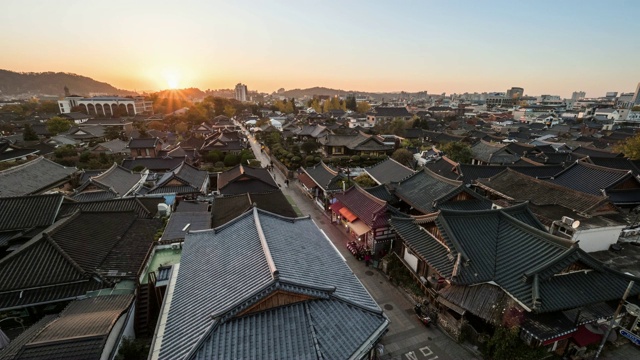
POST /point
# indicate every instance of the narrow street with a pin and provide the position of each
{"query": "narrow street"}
(407, 338)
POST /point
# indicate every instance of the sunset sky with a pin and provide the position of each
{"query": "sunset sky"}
(554, 47)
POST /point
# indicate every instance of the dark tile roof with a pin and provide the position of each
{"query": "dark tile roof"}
(444, 167)
(9, 152)
(521, 149)
(95, 195)
(388, 171)
(592, 179)
(356, 142)
(391, 111)
(491, 153)
(559, 158)
(116, 179)
(25, 212)
(382, 192)
(243, 179)
(143, 143)
(615, 163)
(596, 152)
(33, 177)
(153, 164)
(80, 331)
(368, 208)
(11, 351)
(424, 188)
(177, 226)
(470, 173)
(275, 246)
(192, 206)
(228, 208)
(191, 179)
(143, 207)
(324, 176)
(520, 187)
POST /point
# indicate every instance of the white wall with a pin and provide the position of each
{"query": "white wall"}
(598, 239)
(411, 260)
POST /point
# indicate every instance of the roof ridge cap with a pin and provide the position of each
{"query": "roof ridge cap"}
(64, 254)
(275, 273)
(442, 178)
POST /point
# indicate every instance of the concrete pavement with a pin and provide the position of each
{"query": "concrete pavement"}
(407, 338)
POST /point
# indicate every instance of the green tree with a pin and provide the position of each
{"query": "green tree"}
(505, 344)
(111, 132)
(57, 124)
(65, 151)
(133, 349)
(231, 160)
(365, 181)
(48, 107)
(403, 156)
(29, 134)
(457, 151)
(351, 104)
(309, 146)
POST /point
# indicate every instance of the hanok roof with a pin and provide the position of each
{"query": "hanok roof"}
(182, 222)
(33, 177)
(388, 171)
(324, 176)
(594, 179)
(493, 153)
(424, 188)
(26, 212)
(243, 179)
(121, 181)
(204, 322)
(311, 130)
(153, 164)
(383, 192)
(227, 208)
(596, 152)
(184, 179)
(391, 111)
(512, 185)
(615, 163)
(470, 173)
(357, 141)
(115, 146)
(368, 208)
(10, 152)
(80, 331)
(144, 207)
(532, 266)
(143, 143)
(443, 167)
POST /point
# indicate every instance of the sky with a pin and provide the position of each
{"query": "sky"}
(546, 47)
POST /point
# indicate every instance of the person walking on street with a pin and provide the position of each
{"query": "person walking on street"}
(286, 183)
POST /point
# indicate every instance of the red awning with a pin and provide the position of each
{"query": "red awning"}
(347, 214)
(335, 207)
(584, 337)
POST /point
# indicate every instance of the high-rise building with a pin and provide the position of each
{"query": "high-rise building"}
(515, 93)
(241, 92)
(636, 96)
(578, 95)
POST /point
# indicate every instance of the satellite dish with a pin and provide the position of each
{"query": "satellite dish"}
(575, 224)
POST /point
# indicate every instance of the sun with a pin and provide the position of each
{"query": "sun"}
(172, 78)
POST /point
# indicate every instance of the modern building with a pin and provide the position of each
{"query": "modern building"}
(241, 92)
(578, 95)
(515, 93)
(106, 105)
(636, 98)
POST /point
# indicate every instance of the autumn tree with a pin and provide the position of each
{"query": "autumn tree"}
(630, 147)
(457, 151)
(365, 181)
(229, 110)
(403, 156)
(156, 125)
(57, 124)
(362, 107)
(181, 128)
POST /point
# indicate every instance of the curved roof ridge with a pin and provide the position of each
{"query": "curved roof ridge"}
(442, 178)
(445, 224)
(371, 196)
(327, 167)
(552, 239)
(446, 158)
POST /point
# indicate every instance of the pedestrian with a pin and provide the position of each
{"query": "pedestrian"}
(367, 259)
(286, 182)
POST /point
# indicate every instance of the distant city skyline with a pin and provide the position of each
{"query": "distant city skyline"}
(545, 47)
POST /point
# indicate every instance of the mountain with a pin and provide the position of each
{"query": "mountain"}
(52, 83)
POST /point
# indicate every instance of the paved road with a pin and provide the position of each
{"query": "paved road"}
(407, 338)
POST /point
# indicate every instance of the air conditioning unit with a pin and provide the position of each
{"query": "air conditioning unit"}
(567, 220)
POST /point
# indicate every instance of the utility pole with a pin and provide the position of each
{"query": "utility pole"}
(613, 320)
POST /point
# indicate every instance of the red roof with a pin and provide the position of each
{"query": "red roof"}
(306, 181)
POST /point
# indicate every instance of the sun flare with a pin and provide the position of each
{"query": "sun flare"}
(172, 78)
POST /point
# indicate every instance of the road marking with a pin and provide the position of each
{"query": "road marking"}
(425, 351)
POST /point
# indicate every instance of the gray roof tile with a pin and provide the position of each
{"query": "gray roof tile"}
(388, 171)
(29, 211)
(33, 177)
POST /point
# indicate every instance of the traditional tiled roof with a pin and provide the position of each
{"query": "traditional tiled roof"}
(615, 163)
(143, 143)
(592, 179)
(229, 207)
(443, 167)
(33, 177)
(311, 130)
(243, 179)
(383, 192)
(422, 189)
(388, 111)
(357, 141)
(80, 331)
(153, 164)
(95, 195)
(191, 179)
(121, 181)
(493, 153)
(324, 176)
(513, 185)
(25, 212)
(368, 208)
(596, 152)
(470, 173)
(177, 226)
(115, 146)
(206, 322)
(191, 206)
(10, 152)
(143, 207)
(388, 171)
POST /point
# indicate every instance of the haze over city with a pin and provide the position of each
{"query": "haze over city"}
(453, 46)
